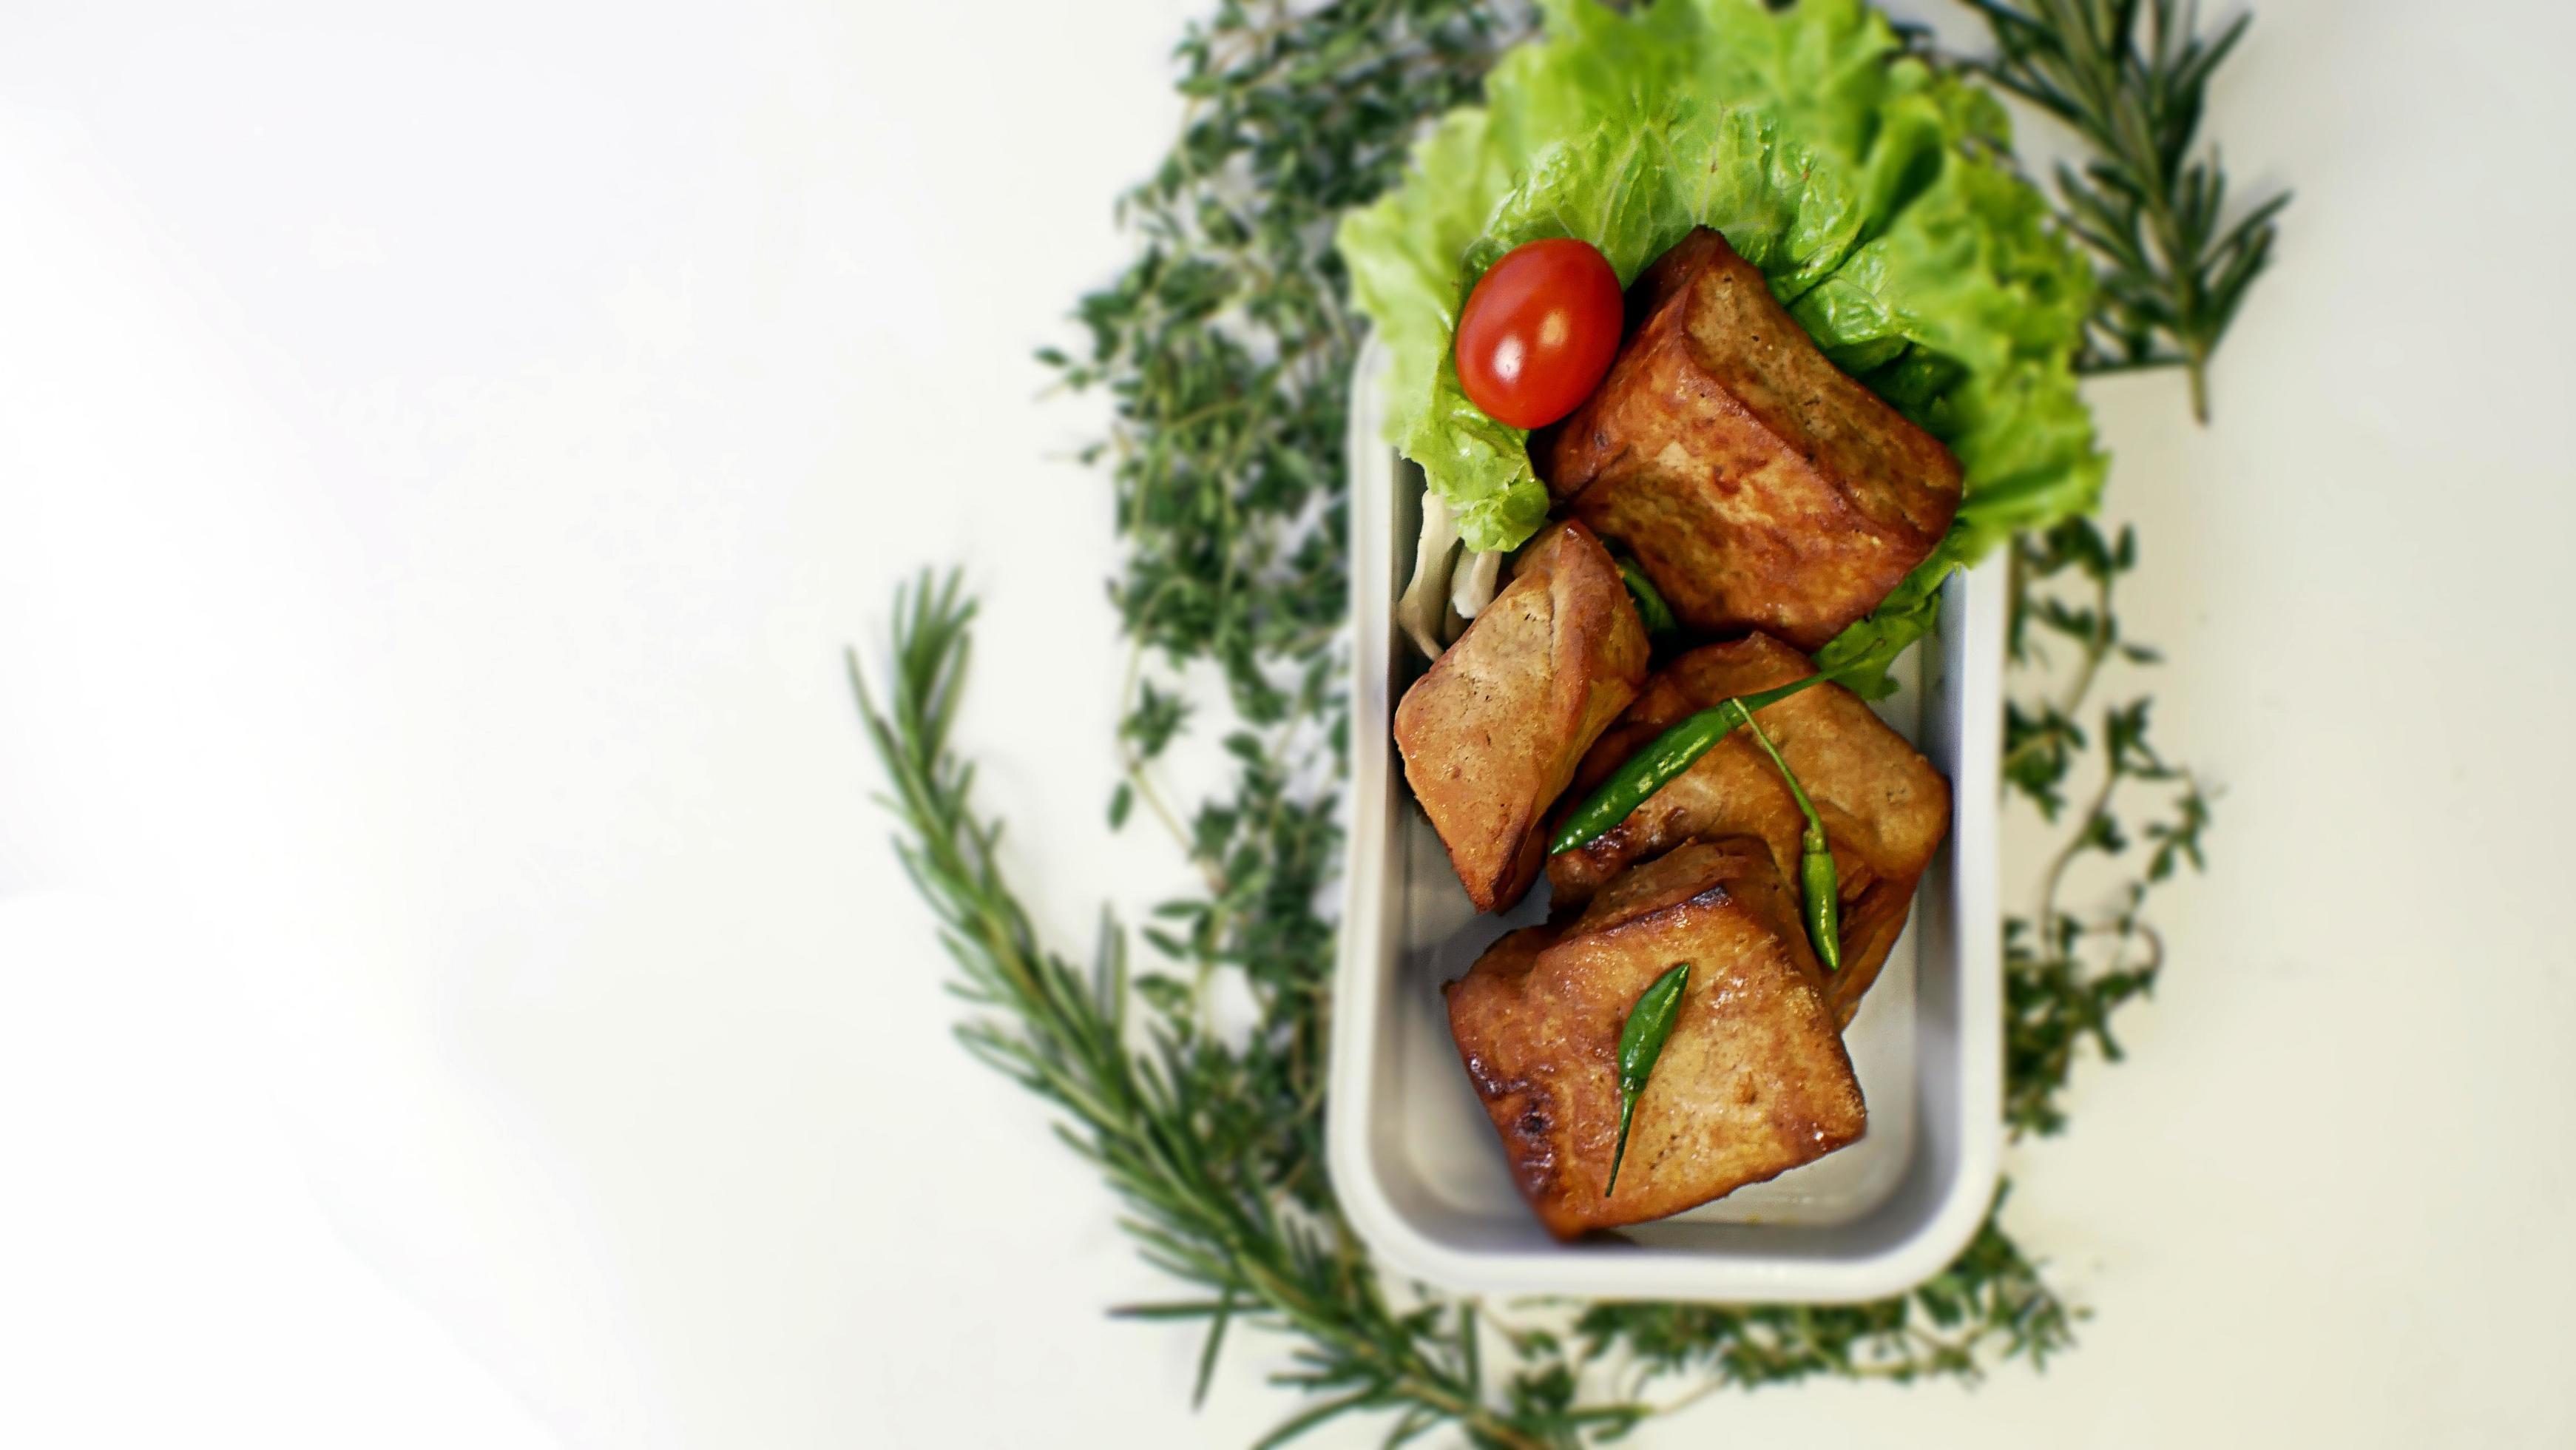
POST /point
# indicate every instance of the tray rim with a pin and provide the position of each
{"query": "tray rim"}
(1752, 1263)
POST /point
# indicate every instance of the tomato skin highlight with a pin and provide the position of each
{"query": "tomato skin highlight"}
(1538, 331)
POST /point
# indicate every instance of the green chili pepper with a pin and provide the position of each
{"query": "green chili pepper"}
(1817, 880)
(1641, 1041)
(1669, 755)
(1652, 611)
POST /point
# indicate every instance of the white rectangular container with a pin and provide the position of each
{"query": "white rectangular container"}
(1416, 1163)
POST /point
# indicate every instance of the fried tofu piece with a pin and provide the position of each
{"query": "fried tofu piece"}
(1884, 807)
(1493, 732)
(1753, 1081)
(1758, 486)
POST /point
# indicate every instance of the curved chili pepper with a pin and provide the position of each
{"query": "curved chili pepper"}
(1818, 881)
(1668, 755)
(1641, 1041)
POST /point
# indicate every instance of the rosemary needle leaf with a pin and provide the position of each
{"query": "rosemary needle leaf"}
(1215, 1342)
(1196, 1309)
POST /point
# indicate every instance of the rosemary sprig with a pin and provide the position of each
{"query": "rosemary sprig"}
(2132, 80)
(1164, 1125)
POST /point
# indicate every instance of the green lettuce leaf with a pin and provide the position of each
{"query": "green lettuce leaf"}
(1869, 189)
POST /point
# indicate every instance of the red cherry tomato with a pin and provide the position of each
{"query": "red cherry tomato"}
(1539, 331)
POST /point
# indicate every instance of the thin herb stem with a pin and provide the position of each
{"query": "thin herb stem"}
(1133, 763)
(2076, 845)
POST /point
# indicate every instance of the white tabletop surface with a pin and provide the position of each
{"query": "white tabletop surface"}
(453, 986)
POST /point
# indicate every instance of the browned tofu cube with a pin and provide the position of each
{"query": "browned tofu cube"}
(1753, 1081)
(1884, 807)
(1758, 486)
(1492, 733)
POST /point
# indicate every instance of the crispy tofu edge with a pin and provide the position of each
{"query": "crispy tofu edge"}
(1525, 1111)
(1872, 920)
(1597, 659)
(1592, 477)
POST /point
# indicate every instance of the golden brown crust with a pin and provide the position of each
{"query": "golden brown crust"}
(1492, 733)
(1753, 1082)
(1884, 807)
(1759, 486)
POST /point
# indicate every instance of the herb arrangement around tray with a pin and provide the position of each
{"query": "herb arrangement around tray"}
(1225, 349)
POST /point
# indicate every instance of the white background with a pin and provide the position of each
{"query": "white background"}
(453, 986)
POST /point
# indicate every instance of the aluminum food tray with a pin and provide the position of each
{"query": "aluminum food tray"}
(1414, 1160)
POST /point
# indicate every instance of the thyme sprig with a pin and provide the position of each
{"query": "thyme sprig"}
(2067, 972)
(2132, 80)
(1224, 351)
